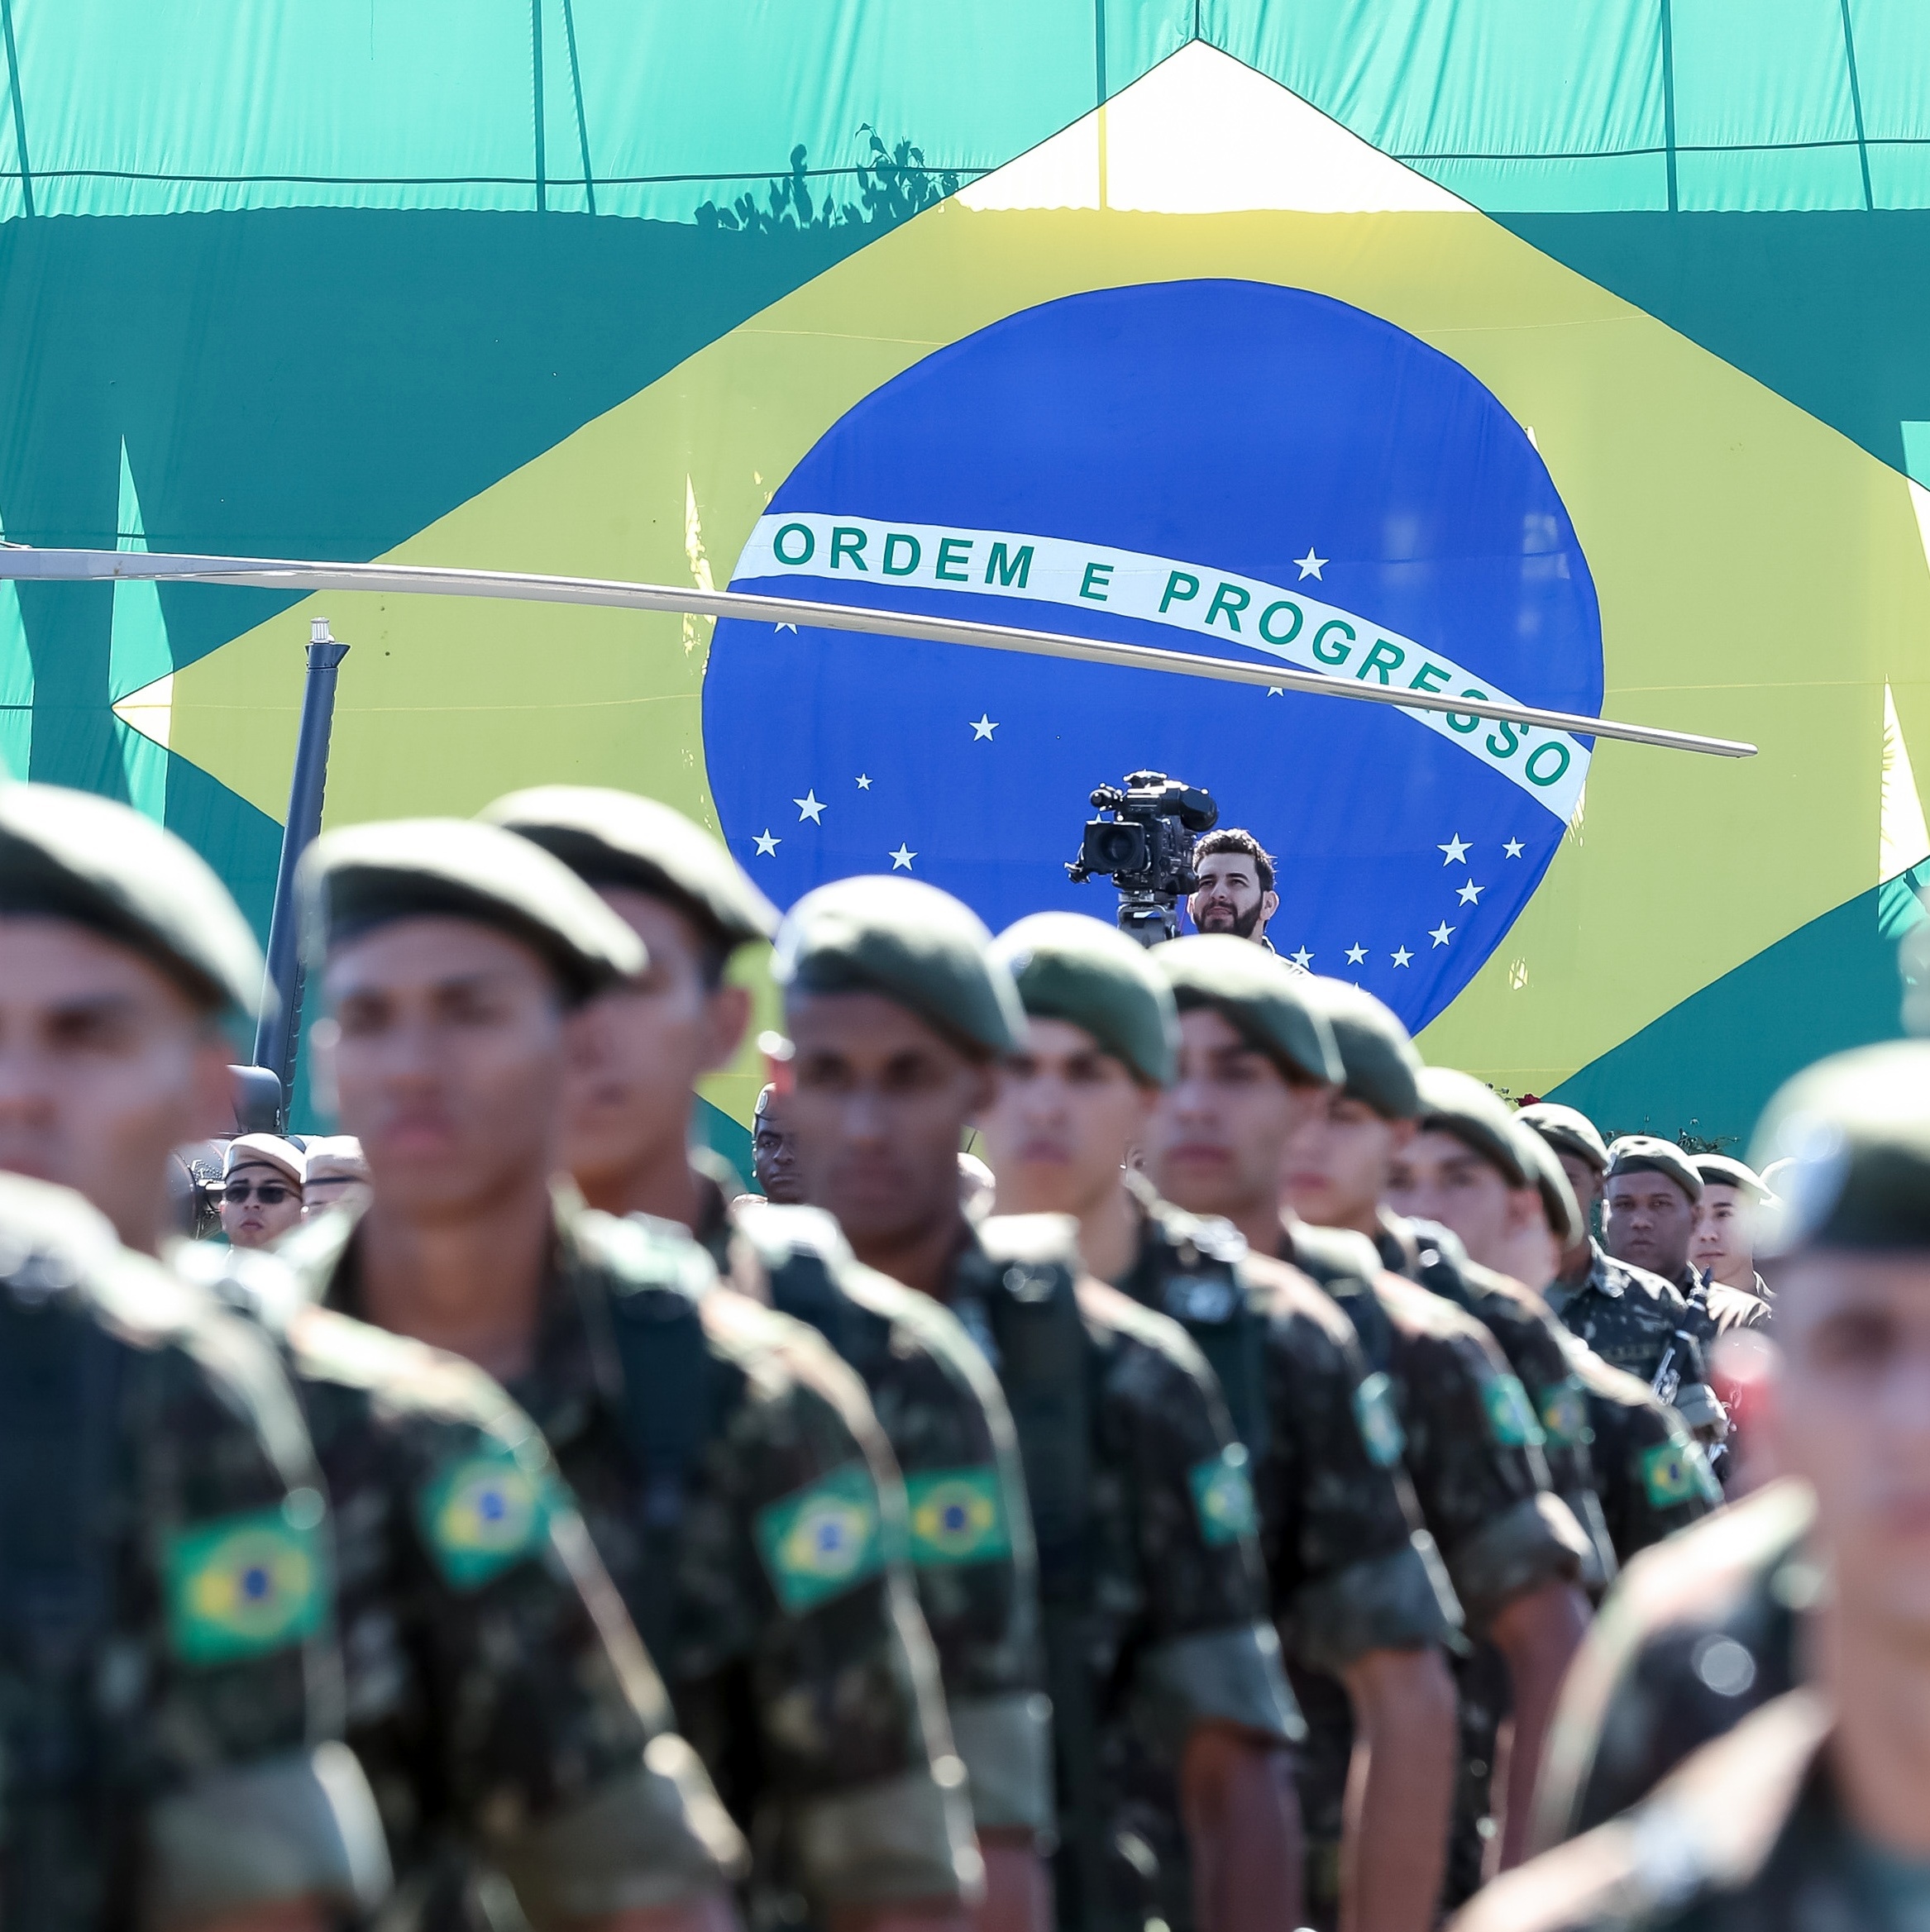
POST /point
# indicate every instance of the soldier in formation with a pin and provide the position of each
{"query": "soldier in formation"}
(463, 1641)
(493, 1551)
(1806, 1808)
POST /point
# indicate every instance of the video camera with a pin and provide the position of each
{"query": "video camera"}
(1147, 848)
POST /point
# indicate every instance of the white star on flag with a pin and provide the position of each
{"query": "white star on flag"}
(901, 859)
(1442, 933)
(1402, 958)
(792, 628)
(1303, 959)
(1276, 690)
(809, 808)
(864, 785)
(767, 846)
(1513, 848)
(1456, 849)
(1470, 894)
(984, 727)
(1356, 955)
(1311, 566)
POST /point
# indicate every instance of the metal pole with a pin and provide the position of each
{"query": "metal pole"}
(280, 1029)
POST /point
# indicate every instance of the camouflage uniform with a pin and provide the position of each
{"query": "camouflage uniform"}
(168, 1683)
(1151, 1589)
(1531, 1339)
(1630, 1317)
(1652, 1476)
(1475, 1453)
(498, 1698)
(735, 1485)
(1747, 1836)
(1698, 1633)
(1350, 1567)
(971, 1549)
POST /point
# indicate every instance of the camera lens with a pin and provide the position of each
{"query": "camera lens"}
(1115, 848)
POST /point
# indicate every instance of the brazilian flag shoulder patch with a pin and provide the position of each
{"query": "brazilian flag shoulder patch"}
(1223, 1497)
(1677, 1471)
(481, 1515)
(1510, 1417)
(958, 1516)
(1380, 1427)
(1565, 1413)
(821, 1541)
(244, 1585)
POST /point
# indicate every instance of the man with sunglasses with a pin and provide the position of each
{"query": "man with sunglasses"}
(261, 1189)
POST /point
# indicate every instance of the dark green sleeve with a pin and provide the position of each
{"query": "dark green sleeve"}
(1475, 1454)
(1350, 1566)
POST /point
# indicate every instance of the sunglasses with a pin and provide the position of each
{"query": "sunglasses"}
(272, 1193)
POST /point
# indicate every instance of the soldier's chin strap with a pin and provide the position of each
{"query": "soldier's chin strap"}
(59, 1378)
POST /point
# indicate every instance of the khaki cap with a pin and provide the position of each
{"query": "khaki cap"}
(1643, 1153)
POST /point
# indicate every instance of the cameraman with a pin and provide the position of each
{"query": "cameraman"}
(1235, 893)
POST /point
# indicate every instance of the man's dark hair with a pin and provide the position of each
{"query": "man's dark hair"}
(1232, 839)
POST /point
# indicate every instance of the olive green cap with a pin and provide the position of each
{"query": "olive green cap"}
(1643, 1153)
(1568, 1132)
(914, 944)
(1067, 966)
(1456, 1103)
(363, 876)
(1857, 1128)
(69, 854)
(1258, 994)
(1381, 1065)
(1726, 1170)
(610, 837)
(1544, 1168)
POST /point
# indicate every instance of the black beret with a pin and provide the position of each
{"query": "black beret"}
(1381, 1065)
(1642, 1153)
(70, 855)
(916, 945)
(363, 876)
(1456, 1103)
(1568, 1131)
(1258, 994)
(617, 838)
(1855, 1128)
(1070, 967)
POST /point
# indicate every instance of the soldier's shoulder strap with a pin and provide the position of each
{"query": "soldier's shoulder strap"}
(1198, 1270)
(1333, 1254)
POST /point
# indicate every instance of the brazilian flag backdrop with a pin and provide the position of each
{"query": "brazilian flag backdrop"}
(1570, 353)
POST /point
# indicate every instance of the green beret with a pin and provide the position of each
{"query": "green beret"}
(1568, 1132)
(1642, 1153)
(1544, 1168)
(1258, 994)
(1381, 1067)
(1456, 1103)
(69, 854)
(1724, 1171)
(1067, 966)
(1855, 1128)
(617, 838)
(916, 945)
(364, 877)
